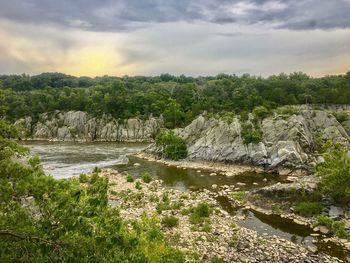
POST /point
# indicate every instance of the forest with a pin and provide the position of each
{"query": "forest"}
(178, 98)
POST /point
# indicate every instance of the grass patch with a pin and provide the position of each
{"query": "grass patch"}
(138, 185)
(146, 177)
(308, 208)
(129, 179)
(170, 221)
(216, 259)
(200, 217)
(239, 196)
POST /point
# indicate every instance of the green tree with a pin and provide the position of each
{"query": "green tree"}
(171, 145)
(173, 114)
(48, 220)
(335, 172)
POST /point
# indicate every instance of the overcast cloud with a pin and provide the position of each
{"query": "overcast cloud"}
(176, 36)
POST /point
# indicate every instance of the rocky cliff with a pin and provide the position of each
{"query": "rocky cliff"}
(287, 140)
(80, 126)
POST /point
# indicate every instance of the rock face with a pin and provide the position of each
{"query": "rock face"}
(289, 141)
(80, 126)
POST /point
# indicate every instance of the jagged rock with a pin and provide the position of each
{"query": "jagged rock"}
(41, 131)
(288, 141)
(78, 125)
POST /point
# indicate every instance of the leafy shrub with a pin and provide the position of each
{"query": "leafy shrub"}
(288, 110)
(202, 210)
(336, 227)
(170, 221)
(341, 116)
(335, 172)
(308, 208)
(129, 179)
(172, 146)
(138, 185)
(83, 178)
(96, 170)
(75, 220)
(261, 112)
(200, 213)
(251, 134)
(146, 177)
(226, 116)
(239, 196)
(216, 259)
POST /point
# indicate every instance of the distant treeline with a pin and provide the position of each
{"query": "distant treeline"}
(178, 98)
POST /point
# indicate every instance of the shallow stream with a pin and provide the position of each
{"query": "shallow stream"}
(66, 159)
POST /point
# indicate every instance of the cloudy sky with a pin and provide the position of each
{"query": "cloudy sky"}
(191, 37)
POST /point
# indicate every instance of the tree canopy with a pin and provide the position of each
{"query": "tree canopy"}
(178, 98)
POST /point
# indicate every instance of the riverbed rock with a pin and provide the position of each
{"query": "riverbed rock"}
(305, 184)
(335, 212)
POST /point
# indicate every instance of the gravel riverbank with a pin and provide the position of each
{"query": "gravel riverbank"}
(216, 235)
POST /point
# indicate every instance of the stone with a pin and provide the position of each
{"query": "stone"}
(323, 230)
(312, 249)
(335, 212)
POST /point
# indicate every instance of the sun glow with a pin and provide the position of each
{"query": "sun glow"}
(92, 61)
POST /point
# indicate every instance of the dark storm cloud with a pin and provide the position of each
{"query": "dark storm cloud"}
(118, 15)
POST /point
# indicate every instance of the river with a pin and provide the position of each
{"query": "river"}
(65, 159)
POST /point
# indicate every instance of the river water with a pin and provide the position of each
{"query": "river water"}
(66, 159)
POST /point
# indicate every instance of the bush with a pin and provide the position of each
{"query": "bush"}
(129, 179)
(335, 172)
(261, 112)
(288, 110)
(172, 146)
(216, 259)
(138, 185)
(146, 177)
(83, 178)
(341, 116)
(72, 219)
(251, 134)
(200, 213)
(335, 227)
(170, 221)
(308, 208)
(202, 210)
(239, 196)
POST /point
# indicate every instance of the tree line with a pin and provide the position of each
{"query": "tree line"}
(178, 98)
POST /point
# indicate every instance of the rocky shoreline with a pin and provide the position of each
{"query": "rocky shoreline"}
(221, 237)
(219, 167)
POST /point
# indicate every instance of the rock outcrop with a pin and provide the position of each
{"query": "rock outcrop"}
(287, 140)
(80, 126)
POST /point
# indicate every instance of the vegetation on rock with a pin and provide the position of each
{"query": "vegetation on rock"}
(308, 208)
(251, 133)
(171, 146)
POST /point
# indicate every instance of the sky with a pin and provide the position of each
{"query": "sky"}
(190, 37)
